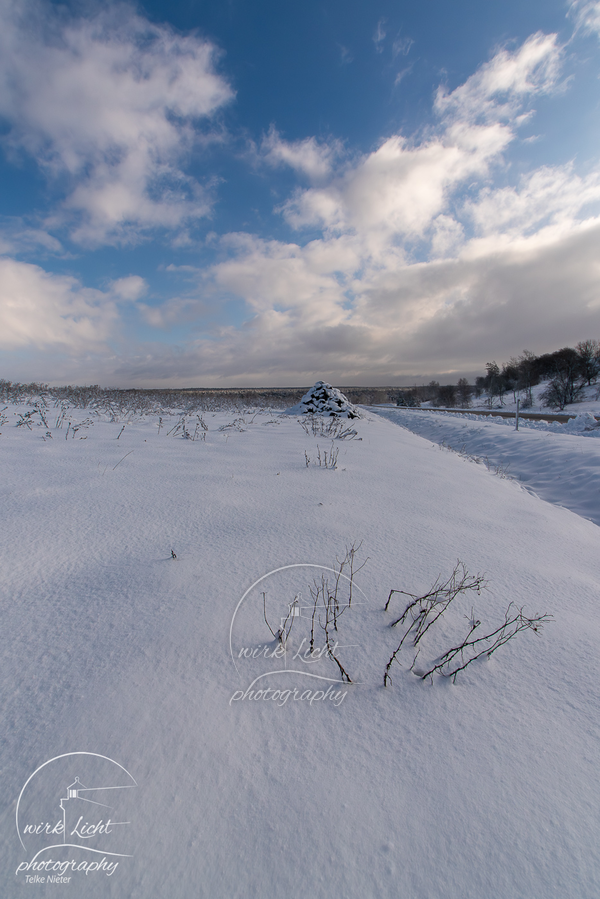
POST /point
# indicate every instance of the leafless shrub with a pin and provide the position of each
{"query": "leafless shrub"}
(327, 427)
(441, 593)
(60, 420)
(13, 392)
(329, 460)
(25, 420)
(273, 419)
(117, 404)
(422, 612)
(331, 597)
(183, 428)
(468, 650)
(235, 425)
(325, 459)
(200, 429)
(328, 609)
(462, 452)
(283, 632)
(41, 407)
(330, 602)
(39, 411)
(180, 428)
(86, 423)
(133, 401)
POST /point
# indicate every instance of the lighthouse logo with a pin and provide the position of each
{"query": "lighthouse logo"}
(295, 635)
(75, 816)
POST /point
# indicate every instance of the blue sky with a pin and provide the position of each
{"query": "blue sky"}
(261, 193)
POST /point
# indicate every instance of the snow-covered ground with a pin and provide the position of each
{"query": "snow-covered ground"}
(483, 787)
(557, 462)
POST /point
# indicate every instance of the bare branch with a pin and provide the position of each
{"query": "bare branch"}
(422, 612)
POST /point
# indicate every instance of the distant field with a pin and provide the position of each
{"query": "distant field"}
(291, 395)
(274, 397)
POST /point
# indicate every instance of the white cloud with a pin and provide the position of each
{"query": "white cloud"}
(454, 314)
(447, 236)
(379, 35)
(345, 55)
(271, 275)
(176, 311)
(405, 270)
(130, 288)
(457, 311)
(401, 46)
(586, 14)
(402, 75)
(497, 88)
(510, 264)
(400, 188)
(110, 103)
(550, 197)
(44, 310)
(16, 237)
(306, 156)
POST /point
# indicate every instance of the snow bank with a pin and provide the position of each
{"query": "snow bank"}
(557, 462)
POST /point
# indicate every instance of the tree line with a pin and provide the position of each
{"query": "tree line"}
(567, 371)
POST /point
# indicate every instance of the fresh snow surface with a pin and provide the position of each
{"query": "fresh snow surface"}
(557, 462)
(486, 787)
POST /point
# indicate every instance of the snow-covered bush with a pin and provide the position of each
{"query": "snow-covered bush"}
(330, 427)
(323, 399)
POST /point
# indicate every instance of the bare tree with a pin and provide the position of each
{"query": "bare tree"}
(464, 391)
(589, 360)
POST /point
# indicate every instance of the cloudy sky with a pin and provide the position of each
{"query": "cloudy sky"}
(254, 192)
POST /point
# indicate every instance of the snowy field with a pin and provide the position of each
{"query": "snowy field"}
(262, 773)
